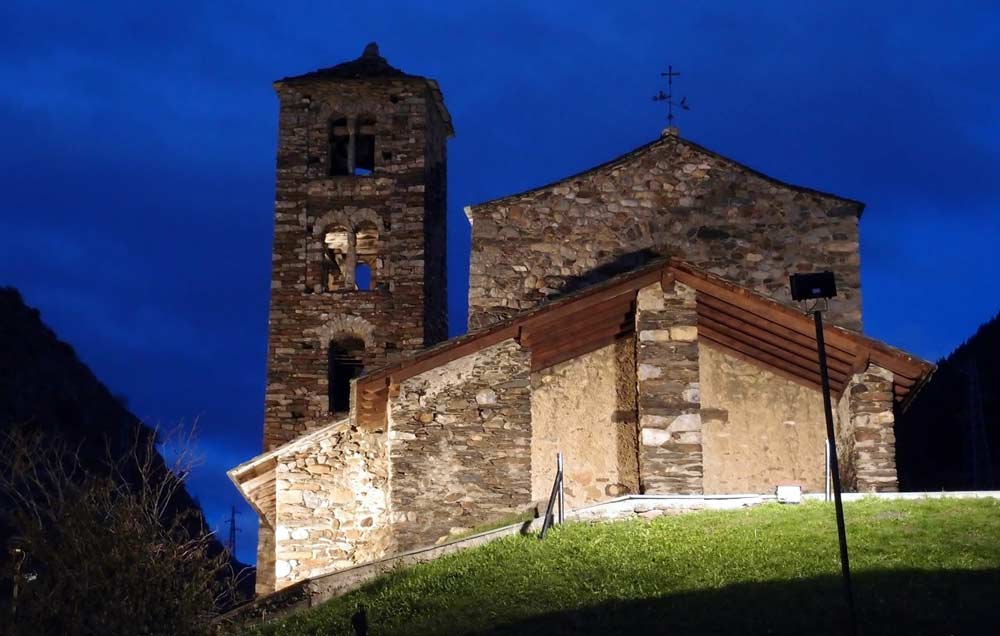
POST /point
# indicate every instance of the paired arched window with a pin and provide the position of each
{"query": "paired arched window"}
(350, 257)
(363, 277)
(344, 357)
(352, 146)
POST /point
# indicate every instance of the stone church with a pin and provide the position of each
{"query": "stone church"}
(635, 317)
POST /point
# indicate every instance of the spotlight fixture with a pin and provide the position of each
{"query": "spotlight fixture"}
(813, 286)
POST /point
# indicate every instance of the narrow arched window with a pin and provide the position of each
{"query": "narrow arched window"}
(340, 142)
(364, 146)
(343, 365)
(337, 256)
(363, 277)
(366, 248)
(352, 146)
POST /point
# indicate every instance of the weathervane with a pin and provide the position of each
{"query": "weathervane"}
(668, 97)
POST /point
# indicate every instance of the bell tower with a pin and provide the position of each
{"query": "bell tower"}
(359, 234)
(358, 263)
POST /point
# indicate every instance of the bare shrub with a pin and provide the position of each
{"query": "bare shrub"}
(107, 550)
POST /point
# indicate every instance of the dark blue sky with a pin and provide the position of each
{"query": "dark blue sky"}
(139, 146)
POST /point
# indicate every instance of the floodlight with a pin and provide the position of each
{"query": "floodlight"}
(813, 286)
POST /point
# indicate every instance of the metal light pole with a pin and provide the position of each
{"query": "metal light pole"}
(562, 489)
(815, 287)
(17, 558)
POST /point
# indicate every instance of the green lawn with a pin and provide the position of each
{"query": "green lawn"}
(920, 567)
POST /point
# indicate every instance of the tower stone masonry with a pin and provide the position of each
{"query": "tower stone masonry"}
(358, 262)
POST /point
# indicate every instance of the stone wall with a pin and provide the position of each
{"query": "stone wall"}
(759, 429)
(403, 199)
(844, 435)
(874, 442)
(264, 579)
(435, 230)
(460, 444)
(332, 503)
(672, 197)
(584, 408)
(669, 404)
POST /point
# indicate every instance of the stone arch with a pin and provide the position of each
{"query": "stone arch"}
(325, 111)
(348, 217)
(350, 238)
(338, 250)
(345, 361)
(350, 141)
(344, 342)
(345, 327)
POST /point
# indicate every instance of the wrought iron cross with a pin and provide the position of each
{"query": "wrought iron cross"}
(668, 97)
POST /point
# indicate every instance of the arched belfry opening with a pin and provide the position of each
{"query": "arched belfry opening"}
(344, 357)
(338, 253)
(352, 146)
(366, 248)
(363, 277)
(350, 257)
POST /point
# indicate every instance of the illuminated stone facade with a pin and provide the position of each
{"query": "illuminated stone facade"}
(670, 197)
(381, 218)
(653, 406)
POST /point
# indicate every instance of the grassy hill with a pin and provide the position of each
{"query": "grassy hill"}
(925, 567)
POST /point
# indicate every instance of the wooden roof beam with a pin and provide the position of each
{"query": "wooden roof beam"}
(621, 315)
(553, 357)
(762, 341)
(791, 376)
(767, 359)
(606, 301)
(769, 309)
(714, 306)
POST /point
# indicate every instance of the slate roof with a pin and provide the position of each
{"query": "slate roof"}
(371, 66)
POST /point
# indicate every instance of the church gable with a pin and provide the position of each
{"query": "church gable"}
(681, 376)
(668, 197)
(662, 380)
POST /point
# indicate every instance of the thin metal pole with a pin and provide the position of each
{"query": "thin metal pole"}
(19, 556)
(547, 520)
(826, 473)
(562, 493)
(845, 564)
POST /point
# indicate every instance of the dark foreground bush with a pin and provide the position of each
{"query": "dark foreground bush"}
(102, 551)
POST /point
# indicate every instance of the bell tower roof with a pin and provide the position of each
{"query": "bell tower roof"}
(371, 66)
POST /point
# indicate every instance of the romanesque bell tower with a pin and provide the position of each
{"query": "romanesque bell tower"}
(359, 234)
(358, 265)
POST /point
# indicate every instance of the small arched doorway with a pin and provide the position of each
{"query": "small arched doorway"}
(344, 357)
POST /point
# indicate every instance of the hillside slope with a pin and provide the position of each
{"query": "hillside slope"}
(926, 567)
(45, 386)
(949, 437)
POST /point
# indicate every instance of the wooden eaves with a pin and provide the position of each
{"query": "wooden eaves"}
(255, 479)
(731, 318)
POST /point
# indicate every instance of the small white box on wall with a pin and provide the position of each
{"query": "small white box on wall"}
(789, 494)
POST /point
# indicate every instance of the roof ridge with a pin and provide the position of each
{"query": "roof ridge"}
(635, 152)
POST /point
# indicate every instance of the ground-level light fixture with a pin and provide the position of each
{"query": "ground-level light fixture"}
(821, 286)
(788, 494)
